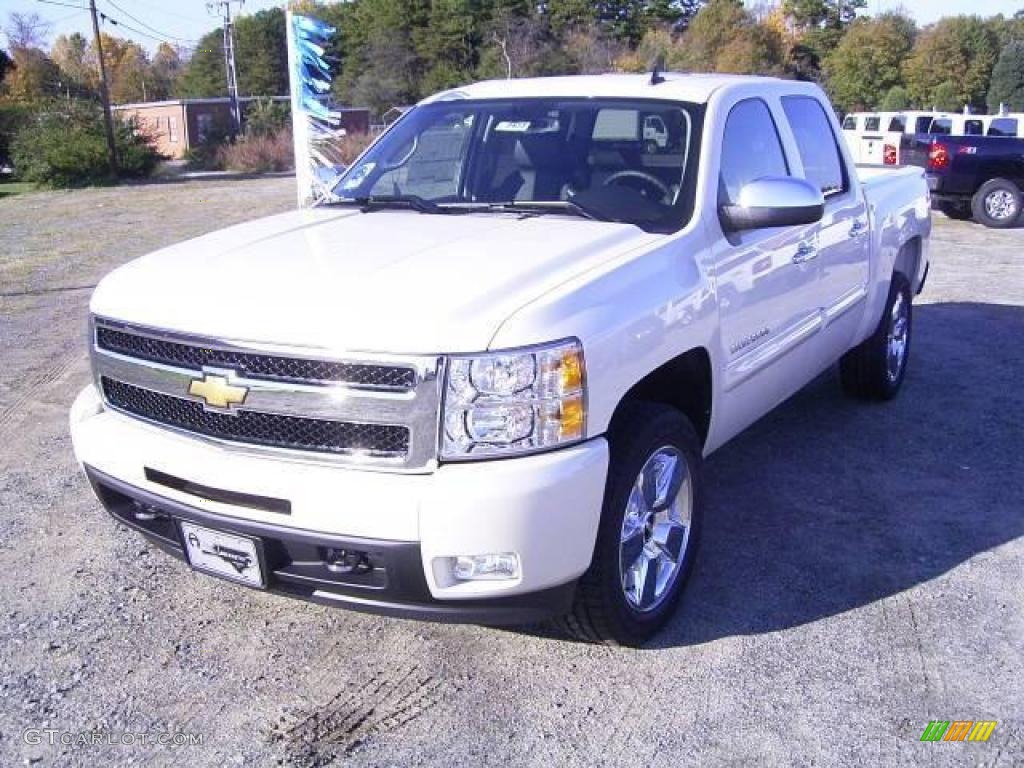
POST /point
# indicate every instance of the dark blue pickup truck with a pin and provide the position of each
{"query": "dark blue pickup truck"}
(979, 177)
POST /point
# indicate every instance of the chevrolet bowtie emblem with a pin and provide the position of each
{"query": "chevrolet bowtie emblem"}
(217, 391)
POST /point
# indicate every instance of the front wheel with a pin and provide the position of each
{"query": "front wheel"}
(997, 203)
(649, 530)
(875, 369)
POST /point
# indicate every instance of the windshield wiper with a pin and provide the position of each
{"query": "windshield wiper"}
(377, 202)
(534, 207)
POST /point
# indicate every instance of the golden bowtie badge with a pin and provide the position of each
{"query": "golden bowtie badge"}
(217, 391)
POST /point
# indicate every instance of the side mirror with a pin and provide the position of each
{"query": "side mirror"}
(773, 201)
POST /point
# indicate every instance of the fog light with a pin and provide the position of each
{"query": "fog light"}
(346, 561)
(145, 513)
(504, 565)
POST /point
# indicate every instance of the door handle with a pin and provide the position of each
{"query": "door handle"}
(858, 229)
(804, 253)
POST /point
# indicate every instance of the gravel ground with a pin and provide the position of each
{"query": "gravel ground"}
(877, 586)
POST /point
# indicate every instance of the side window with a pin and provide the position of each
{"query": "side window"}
(872, 123)
(942, 126)
(849, 123)
(898, 124)
(816, 143)
(922, 124)
(973, 128)
(1003, 126)
(751, 149)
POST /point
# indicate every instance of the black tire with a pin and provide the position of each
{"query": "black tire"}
(1002, 217)
(601, 612)
(865, 370)
(957, 211)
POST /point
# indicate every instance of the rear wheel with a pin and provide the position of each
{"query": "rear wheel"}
(997, 203)
(958, 211)
(874, 370)
(649, 530)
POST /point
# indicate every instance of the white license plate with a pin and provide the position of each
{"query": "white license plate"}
(222, 554)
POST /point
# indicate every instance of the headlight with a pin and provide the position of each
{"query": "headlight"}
(514, 401)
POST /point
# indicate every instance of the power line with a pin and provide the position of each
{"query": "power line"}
(117, 23)
(147, 26)
(65, 5)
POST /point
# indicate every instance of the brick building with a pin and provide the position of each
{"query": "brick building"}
(180, 124)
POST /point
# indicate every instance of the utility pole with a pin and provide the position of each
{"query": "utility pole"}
(108, 121)
(230, 74)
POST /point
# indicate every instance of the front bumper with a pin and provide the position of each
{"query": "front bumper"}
(545, 508)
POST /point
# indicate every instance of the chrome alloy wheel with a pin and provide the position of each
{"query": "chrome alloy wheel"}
(656, 529)
(898, 337)
(1000, 205)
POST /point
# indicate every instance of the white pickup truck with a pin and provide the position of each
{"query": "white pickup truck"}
(480, 385)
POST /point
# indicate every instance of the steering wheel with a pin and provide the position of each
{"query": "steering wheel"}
(651, 181)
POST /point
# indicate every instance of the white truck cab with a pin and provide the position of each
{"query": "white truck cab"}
(875, 138)
(481, 383)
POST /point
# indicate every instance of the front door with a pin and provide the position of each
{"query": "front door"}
(767, 279)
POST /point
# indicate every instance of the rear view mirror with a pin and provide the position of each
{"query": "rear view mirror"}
(773, 201)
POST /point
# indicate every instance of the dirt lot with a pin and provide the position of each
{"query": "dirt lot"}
(861, 572)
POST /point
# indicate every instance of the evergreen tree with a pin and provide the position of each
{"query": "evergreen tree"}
(1007, 86)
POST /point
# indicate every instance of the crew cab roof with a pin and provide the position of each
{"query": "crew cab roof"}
(676, 86)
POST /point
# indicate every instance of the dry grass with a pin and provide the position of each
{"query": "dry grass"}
(259, 154)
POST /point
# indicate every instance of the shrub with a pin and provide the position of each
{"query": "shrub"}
(64, 145)
(266, 117)
(259, 153)
(12, 118)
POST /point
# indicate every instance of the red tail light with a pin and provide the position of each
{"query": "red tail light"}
(938, 157)
(889, 155)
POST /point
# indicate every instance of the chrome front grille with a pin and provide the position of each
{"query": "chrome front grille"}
(343, 437)
(362, 409)
(272, 367)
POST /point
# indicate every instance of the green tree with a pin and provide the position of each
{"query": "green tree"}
(71, 54)
(165, 70)
(448, 44)
(32, 77)
(819, 25)
(946, 97)
(203, 74)
(380, 66)
(1007, 86)
(261, 54)
(725, 37)
(957, 50)
(867, 63)
(896, 100)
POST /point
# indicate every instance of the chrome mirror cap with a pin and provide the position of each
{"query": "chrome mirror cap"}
(774, 201)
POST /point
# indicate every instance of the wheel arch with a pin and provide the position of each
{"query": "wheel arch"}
(685, 382)
(908, 262)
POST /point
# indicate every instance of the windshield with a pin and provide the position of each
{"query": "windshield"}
(607, 159)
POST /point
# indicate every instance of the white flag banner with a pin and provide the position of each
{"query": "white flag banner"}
(315, 125)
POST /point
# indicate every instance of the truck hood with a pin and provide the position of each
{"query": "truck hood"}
(337, 278)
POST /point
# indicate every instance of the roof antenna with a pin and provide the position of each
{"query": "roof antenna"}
(656, 69)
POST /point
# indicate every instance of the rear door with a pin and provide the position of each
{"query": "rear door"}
(843, 241)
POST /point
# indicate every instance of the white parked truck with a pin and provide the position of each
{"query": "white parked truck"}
(481, 384)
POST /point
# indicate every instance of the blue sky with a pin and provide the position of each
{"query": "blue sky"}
(187, 20)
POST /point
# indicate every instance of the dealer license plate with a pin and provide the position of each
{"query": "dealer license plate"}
(223, 554)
